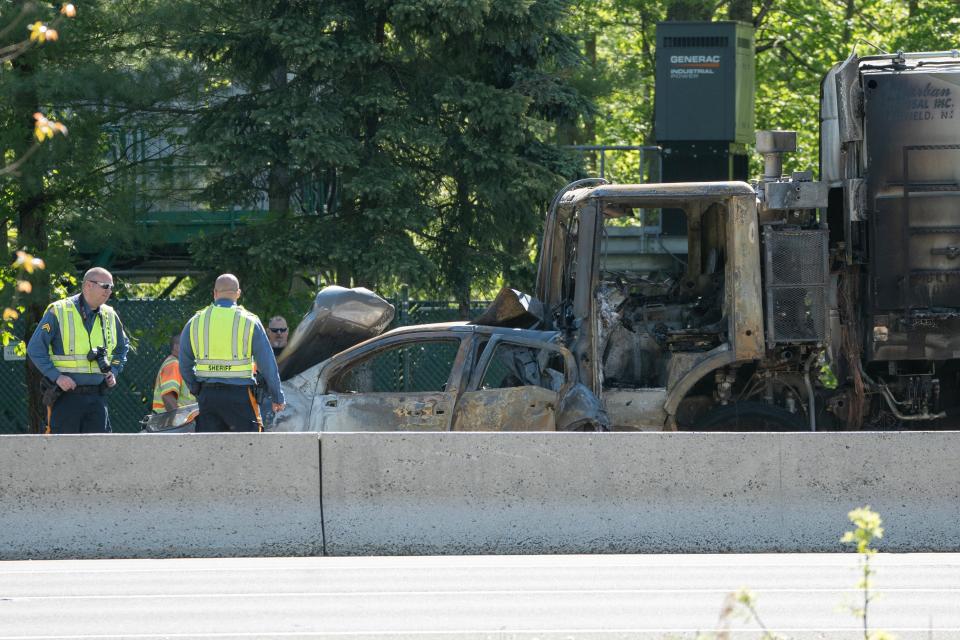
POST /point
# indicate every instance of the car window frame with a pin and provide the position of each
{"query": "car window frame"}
(569, 362)
(454, 377)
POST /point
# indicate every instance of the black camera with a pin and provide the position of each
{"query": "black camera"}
(100, 355)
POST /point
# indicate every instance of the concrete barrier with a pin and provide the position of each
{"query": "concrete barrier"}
(634, 492)
(118, 496)
(443, 493)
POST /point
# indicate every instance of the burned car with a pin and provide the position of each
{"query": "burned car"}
(439, 377)
(443, 377)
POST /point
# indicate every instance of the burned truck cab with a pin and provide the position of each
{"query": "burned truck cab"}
(644, 338)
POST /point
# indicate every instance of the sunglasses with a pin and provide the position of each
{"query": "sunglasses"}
(278, 329)
(106, 286)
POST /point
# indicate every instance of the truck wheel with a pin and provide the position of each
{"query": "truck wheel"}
(750, 416)
(588, 426)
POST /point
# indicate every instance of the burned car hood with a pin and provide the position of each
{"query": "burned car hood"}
(338, 319)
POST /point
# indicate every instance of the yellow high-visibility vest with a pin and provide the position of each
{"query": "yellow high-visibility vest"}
(222, 342)
(77, 343)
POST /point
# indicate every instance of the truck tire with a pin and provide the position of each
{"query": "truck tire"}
(588, 426)
(750, 416)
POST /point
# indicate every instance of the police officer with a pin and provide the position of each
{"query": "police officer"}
(218, 349)
(80, 349)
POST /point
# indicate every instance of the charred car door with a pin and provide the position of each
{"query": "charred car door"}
(403, 385)
(520, 384)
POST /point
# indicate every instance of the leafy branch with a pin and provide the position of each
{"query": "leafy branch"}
(44, 128)
(39, 31)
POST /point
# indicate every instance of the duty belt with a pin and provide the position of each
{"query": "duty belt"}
(88, 389)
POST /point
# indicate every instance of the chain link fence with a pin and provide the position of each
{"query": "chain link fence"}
(149, 323)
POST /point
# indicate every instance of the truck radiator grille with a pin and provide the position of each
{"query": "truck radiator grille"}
(796, 273)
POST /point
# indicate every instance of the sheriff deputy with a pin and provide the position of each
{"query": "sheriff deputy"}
(218, 349)
(80, 349)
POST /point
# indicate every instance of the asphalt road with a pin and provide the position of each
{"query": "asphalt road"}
(490, 597)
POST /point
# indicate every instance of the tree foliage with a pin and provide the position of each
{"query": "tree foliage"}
(797, 41)
(433, 120)
(392, 141)
(92, 76)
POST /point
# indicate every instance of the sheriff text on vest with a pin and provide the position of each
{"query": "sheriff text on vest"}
(221, 349)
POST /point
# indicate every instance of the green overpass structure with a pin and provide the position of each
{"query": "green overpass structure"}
(165, 238)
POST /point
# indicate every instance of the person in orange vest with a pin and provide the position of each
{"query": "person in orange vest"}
(169, 389)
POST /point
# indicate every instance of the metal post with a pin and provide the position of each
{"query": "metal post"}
(603, 148)
(405, 320)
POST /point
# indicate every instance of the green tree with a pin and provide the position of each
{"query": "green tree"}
(495, 91)
(797, 41)
(433, 116)
(619, 41)
(96, 78)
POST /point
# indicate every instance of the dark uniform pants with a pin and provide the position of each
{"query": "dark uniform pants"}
(227, 407)
(79, 413)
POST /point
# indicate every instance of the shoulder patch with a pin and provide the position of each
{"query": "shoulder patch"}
(46, 327)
